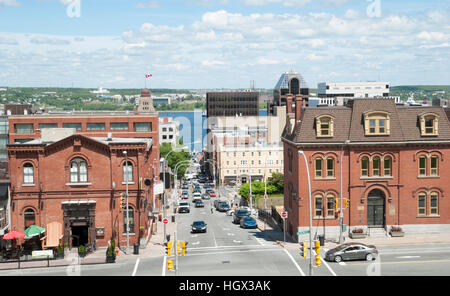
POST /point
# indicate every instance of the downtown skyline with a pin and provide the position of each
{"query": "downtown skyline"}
(221, 43)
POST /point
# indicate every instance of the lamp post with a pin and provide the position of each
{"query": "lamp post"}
(300, 152)
(128, 212)
(164, 180)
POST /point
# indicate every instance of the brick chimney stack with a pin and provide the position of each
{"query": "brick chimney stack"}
(289, 104)
(298, 106)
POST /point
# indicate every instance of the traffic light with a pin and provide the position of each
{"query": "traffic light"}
(168, 248)
(317, 249)
(336, 213)
(183, 248)
(121, 204)
(303, 249)
(178, 248)
(336, 203)
(345, 203)
(169, 264)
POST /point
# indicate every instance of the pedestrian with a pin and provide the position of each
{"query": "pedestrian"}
(211, 210)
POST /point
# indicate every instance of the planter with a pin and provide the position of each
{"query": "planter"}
(397, 233)
(357, 235)
(82, 255)
(60, 256)
(110, 259)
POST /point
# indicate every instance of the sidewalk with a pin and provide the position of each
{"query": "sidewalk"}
(409, 239)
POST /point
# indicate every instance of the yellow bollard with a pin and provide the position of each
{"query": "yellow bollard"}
(169, 264)
(318, 261)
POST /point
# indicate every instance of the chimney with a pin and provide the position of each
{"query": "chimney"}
(298, 106)
(289, 104)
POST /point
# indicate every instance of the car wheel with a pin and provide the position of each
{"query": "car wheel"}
(369, 257)
(337, 259)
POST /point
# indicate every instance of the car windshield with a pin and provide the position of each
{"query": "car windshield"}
(199, 223)
(248, 219)
(184, 204)
(341, 247)
(242, 212)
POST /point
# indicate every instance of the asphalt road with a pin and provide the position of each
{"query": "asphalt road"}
(228, 250)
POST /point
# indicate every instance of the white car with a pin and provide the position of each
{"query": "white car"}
(253, 212)
(197, 196)
(230, 212)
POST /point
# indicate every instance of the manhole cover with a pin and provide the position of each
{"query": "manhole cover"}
(226, 261)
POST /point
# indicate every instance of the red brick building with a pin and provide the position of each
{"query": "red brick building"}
(388, 161)
(73, 173)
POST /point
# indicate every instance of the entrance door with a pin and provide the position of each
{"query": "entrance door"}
(80, 236)
(375, 208)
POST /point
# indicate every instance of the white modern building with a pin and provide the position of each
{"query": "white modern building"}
(338, 93)
(169, 131)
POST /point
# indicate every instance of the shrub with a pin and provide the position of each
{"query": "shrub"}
(59, 250)
(396, 228)
(358, 230)
(81, 249)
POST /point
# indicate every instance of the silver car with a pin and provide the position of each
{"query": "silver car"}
(352, 251)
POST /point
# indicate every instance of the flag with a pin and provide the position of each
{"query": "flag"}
(148, 75)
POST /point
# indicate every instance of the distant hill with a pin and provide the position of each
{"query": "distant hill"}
(425, 88)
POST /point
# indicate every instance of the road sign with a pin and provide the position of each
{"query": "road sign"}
(165, 220)
(284, 215)
(303, 232)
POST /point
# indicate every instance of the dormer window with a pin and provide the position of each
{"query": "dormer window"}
(429, 124)
(377, 124)
(324, 126)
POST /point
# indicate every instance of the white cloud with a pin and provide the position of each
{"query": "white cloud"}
(212, 63)
(12, 3)
(149, 4)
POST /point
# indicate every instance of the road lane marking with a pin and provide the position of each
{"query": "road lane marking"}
(135, 267)
(329, 268)
(404, 262)
(295, 263)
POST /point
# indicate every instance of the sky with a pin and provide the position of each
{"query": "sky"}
(204, 44)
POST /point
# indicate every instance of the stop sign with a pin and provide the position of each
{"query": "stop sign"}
(284, 215)
(165, 220)
(265, 196)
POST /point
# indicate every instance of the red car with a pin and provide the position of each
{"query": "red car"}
(212, 194)
(183, 196)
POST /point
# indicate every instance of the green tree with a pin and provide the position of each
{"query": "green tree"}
(174, 158)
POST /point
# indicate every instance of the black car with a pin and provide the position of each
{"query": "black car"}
(199, 226)
(352, 251)
(238, 214)
(199, 204)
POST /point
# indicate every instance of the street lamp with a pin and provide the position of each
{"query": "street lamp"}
(300, 152)
(128, 211)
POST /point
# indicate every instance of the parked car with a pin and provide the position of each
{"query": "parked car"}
(199, 204)
(185, 186)
(352, 251)
(212, 194)
(198, 226)
(197, 188)
(238, 214)
(183, 207)
(206, 196)
(206, 186)
(230, 212)
(216, 203)
(223, 207)
(248, 222)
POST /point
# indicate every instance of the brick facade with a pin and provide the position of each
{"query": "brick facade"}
(380, 196)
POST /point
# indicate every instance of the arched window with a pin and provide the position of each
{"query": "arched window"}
(330, 167)
(318, 205)
(388, 166)
(29, 218)
(318, 169)
(421, 204)
(331, 205)
(78, 170)
(434, 166)
(377, 123)
(324, 126)
(434, 203)
(127, 172)
(429, 124)
(376, 166)
(365, 166)
(422, 166)
(28, 173)
(130, 220)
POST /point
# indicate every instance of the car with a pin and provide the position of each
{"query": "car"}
(216, 203)
(230, 212)
(198, 226)
(206, 196)
(223, 207)
(197, 196)
(212, 194)
(238, 214)
(183, 207)
(185, 186)
(199, 204)
(352, 251)
(197, 188)
(253, 212)
(248, 222)
(206, 186)
(183, 196)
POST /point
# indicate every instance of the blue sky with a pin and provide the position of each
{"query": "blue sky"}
(221, 43)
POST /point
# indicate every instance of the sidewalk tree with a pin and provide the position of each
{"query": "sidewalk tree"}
(174, 158)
